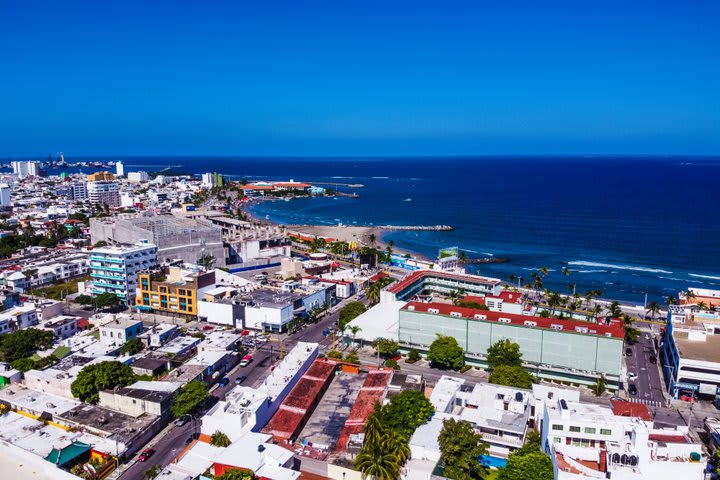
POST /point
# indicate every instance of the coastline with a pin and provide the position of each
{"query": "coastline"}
(345, 233)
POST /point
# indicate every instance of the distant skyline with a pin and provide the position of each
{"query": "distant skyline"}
(322, 78)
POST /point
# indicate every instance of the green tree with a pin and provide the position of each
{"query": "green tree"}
(335, 355)
(354, 330)
(395, 443)
(600, 386)
(373, 291)
(350, 311)
(504, 352)
(105, 300)
(86, 300)
(390, 363)
(653, 309)
(206, 261)
(219, 439)
(386, 347)
(100, 376)
(460, 447)
(511, 376)
(374, 428)
(23, 364)
(532, 466)
(24, 343)
(414, 355)
(406, 411)
(352, 357)
(614, 309)
(153, 472)
(631, 334)
(190, 396)
(532, 443)
(236, 474)
(132, 347)
(375, 462)
(445, 352)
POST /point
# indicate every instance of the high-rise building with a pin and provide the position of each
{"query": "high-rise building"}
(5, 196)
(212, 180)
(103, 189)
(26, 169)
(119, 169)
(79, 191)
(115, 269)
(138, 177)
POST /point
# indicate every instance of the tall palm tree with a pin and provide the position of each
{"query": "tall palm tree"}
(670, 300)
(373, 292)
(614, 309)
(372, 238)
(596, 311)
(702, 305)
(395, 443)
(374, 428)
(375, 462)
(653, 309)
(566, 271)
(553, 300)
(354, 330)
(689, 295)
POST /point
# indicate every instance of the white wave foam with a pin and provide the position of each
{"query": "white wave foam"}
(709, 277)
(583, 263)
(380, 178)
(589, 271)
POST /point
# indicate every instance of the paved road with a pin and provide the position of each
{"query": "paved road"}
(648, 382)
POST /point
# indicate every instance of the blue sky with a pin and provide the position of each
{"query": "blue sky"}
(359, 77)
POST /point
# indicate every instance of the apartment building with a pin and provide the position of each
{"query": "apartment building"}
(115, 269)
(103, 189)
(173, 289)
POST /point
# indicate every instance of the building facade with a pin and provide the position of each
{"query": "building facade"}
(103, 189)
(172, 289)
(115, 269)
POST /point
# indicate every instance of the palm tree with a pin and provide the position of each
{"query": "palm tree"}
(372, 238)
(566, 271)
(375, 462)
(702, 305)
(670, 300)
(395, 443)
(689, 295)
(553, 300)
(596, 311)
(462, 258)
(354, 330)
(373, 428)
(653, 309)
(614, 309)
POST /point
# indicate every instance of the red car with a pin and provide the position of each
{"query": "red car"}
(147, 453)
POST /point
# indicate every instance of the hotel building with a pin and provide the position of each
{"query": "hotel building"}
(103, 189)
(115, 269)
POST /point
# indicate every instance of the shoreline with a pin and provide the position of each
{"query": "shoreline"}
(345, 233)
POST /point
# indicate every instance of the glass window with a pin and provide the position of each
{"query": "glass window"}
(590, 429)
(605, 431)
(557, 427)
(574, 429)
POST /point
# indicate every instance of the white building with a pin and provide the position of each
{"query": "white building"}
(119, 330)
(62, 327)
(115, 269)
(20, 317)
(137, 177)
(104, 192)
(119, 169)
(590, 442)
(285, 375)
(691, 352)
(5, 192)
(209, 180)
(26, 169)
(244, 409)
(79, 190)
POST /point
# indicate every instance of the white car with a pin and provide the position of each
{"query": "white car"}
(631, 376)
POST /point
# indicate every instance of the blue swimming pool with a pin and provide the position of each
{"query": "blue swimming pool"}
(492, 462)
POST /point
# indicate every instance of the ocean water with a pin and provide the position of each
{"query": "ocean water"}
(626, 226)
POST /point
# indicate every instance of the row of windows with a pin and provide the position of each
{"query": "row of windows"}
(576, 429)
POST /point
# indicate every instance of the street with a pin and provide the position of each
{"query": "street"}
(650, 386)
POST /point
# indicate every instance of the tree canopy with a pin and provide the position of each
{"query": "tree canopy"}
(190, 396)
(349, 312)
(511, 376)
(236, 474)
(219, 439)
(105, 300)
(24, 343)
(23, 364)
(445, 352)
(460, 447)
(504, 352)
(132, 346)
(406, 411)
(386, 347)
(100, 376)
(530, 466)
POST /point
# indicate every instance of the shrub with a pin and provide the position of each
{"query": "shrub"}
(335, 355)
(392, 364)
(414, 356)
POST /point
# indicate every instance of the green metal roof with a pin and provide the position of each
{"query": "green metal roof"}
(67, 454)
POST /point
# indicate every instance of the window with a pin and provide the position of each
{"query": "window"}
(590, 430)
(557, 427)
(605, 431)
(480, 317)
(556, 327)
(574, 429)
(455, 314)
(557, 439)
(528, 323)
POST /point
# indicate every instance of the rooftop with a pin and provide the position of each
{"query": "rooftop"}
(419, 275)
(279, 378)
(120, 322)
(613, 329)
(707, 351)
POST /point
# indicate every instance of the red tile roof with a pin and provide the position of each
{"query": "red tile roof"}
(371, 393)
(292, 184)
(474, 298)
(421, 274)
(668, 438)
(378, 276)
(257, 187)
(300, 401)
(510, 297)
(615, 329)
(622, 408)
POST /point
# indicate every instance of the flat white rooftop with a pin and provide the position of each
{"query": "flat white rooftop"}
(381, 321)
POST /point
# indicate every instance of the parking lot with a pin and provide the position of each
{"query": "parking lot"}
(646, 378)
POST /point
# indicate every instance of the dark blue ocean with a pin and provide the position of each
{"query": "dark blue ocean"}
(626, 226)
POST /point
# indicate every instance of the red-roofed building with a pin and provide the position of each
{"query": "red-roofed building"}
(372, 392)
(424, 281)
(621, 408)
(569, 350)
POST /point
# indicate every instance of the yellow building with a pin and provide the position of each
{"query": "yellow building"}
(100, 177)
(172, 289)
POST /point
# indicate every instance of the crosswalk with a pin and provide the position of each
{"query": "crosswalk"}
(649, 403)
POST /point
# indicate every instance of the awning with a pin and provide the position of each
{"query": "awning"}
(143, 307)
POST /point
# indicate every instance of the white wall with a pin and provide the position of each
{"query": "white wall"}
(218, 313)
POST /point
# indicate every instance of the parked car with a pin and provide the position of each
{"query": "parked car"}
(182, 420)
(246, 360)
(240, 379)
(652, 359)
(632, 376)
(628, 352)
(632, 389)
(224, 381)
(147, 453)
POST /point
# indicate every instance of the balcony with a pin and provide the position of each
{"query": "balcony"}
(108, 285)
(103, 267)
(106, 259)
(107, 276)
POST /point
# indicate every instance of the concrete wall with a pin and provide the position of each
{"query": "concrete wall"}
(132, 406)
(221, 313)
